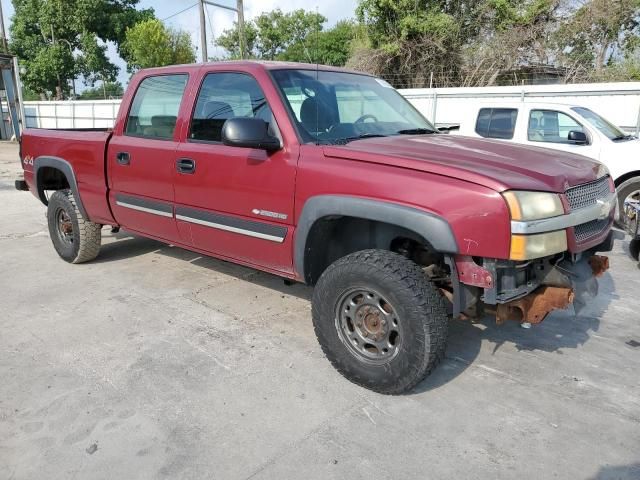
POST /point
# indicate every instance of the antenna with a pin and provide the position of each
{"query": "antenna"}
(317, 79)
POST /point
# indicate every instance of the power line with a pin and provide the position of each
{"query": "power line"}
(178, 13)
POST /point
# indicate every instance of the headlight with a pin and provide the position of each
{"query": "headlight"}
(526, 206)
(527, 247)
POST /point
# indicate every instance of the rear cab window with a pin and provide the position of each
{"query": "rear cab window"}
(496, 122)
(154, 110)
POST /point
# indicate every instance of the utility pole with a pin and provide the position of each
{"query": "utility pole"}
(241, 38)
(3, 38)
(203, 34)
(239, 10)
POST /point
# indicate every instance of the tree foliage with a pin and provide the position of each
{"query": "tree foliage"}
(328, 47)
(58, 40)
(479, 42)
(103, 92)
(598, 31)
(294, 36)
(151, 44)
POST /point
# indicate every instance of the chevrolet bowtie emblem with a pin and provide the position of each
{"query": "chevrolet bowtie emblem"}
(605, 208)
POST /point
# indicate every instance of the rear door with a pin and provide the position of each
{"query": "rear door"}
(141, 158)
(231, 201)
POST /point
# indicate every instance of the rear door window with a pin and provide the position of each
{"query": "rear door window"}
(154, 110)
(496, 122)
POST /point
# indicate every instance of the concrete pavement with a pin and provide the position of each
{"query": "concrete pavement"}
(155, 362)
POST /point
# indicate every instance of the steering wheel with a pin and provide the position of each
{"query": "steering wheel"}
(365, 117)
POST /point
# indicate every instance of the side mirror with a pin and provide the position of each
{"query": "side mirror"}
(577, 137)
(249, 133)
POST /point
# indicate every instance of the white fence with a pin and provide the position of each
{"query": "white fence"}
(619, 102)
(71, 114)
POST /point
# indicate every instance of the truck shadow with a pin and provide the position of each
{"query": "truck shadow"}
(618, 472)
(467, 342)
(561, 330)
(128, 246)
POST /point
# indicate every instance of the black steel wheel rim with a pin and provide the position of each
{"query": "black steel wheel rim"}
(368, 325)
(64, 226)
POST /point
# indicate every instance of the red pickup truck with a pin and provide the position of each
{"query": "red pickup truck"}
(331, 178)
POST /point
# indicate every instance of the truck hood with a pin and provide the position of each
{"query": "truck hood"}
(497, 165)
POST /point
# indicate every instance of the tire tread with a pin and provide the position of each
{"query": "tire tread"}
(427, 302)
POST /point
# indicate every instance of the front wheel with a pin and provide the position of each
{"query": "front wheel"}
(627, 190)
(634, 248)
(75, 239)
(379, 320)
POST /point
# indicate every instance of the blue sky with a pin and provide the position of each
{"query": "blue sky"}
(218, 19)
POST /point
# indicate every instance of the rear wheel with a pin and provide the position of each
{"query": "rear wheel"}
(380, 321)
(75, 239)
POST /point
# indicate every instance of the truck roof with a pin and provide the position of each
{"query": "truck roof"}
(517, 105)
(254, 64)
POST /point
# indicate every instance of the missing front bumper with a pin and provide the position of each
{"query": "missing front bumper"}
(566, 284)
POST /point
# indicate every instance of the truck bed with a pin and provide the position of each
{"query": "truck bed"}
(85, 151)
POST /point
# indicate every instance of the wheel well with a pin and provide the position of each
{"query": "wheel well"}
(51, 178)
(626, 177)
(334, 237)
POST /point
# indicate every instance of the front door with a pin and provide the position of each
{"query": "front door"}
(141, 158)
(550, 128)
(230, 201)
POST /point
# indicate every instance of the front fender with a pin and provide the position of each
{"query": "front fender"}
(433, 229)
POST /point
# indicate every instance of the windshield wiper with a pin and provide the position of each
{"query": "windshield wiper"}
(416, 131)
(344, 141)
(622, 137)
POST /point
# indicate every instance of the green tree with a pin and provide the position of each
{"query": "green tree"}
(597, 32)
(104, 91)
(407, 39)
(151, 44)
(59, 40)
(471, 41)
(270, 34)
(328, 47)
(229, 40)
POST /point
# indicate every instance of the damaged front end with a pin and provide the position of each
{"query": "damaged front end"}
(552, 262)
(527, 291)
(565, 284)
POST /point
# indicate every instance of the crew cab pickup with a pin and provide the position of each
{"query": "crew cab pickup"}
(569, 128)
(331, 178)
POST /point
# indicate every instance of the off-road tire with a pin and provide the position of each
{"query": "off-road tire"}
(625, 189)
(634, 248)
(85, 236)
(420, 308)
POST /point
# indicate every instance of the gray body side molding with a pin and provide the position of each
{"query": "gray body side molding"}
(66, 168)
(432, 228)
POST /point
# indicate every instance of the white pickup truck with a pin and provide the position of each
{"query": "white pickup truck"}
(569, 128)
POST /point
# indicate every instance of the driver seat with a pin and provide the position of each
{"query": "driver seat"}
(315, 116)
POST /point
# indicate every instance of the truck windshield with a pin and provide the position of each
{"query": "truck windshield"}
(607, 128)
(338, 107)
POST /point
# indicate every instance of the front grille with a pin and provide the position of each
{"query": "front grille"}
(590, 229)
(588, 193)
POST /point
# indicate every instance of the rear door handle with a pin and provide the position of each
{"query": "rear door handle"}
(186, 165)
(123, 158)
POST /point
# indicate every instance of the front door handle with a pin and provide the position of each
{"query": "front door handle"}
(186, 165)
(123, 158)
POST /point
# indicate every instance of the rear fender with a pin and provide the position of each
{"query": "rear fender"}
(67, 170)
